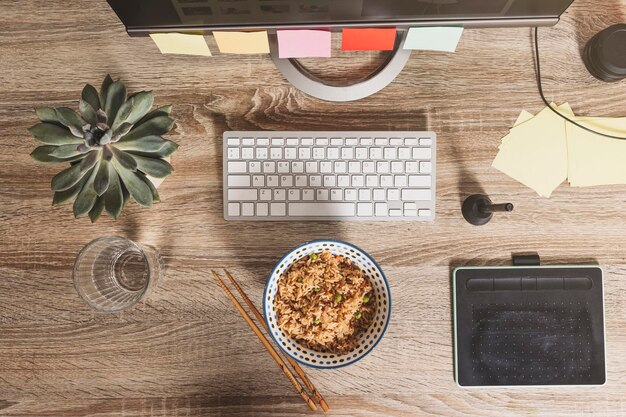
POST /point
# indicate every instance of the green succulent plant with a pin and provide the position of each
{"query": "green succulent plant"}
(113, 143)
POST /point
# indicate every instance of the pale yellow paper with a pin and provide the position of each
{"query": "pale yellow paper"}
(593, 159)
(535, 152)
(242, 42)
(181, 43)
(523, 117)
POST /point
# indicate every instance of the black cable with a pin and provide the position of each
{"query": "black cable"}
(543, 97)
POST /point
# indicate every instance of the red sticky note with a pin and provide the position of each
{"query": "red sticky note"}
(368, 39)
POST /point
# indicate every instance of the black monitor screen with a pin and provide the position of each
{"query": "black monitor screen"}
(209, 14)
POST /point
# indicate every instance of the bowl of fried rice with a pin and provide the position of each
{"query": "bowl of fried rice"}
(327, 304)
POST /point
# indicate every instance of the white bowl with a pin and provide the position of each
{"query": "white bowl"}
(368, 339)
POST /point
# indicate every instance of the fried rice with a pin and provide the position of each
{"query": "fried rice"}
(324, 301)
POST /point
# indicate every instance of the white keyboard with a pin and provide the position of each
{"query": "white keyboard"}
(329, 176)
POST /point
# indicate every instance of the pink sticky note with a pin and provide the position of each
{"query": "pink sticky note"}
(303, 43)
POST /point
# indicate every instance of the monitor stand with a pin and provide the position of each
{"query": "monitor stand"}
(303, 80)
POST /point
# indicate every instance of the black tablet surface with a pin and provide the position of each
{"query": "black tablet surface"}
(529, 326)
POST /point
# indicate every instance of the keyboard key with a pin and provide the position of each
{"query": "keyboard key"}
(358, 180)
(239, 181)
(293, 195)
(255, 167)
(341, 167)
(419, 181)
(395, 141)
(391, 153)
(272, 180)
(247, 153)
(322, 195)
(371, 180)
(265, 194)
(354, 167)
(262, 209)
(308, 195)
(236, 167)
(276, 153)
(410, 141)
(369, 167)
(330, 181)
(410, 213)
(410, 206)
(399, 181)
(233, 209)
(258, 181)
(343, 181)
(247, 209)
(366, 141)
(350, 194)
(347, 153)
(381, 209)
(352, 141)
(376, 153)
(311, 167)
(424, 213)
(247, 141)
(404, 153)
(393, 195)
(336, 194)
(278, 141)
(315, 180)
(332, 153)
(319, 153)
(290, 153)
(412, 168)
(283, 167)
(280, 195)
(292, 141)
(397, 167)
(395, 213)
(297, 167)
(301, 181)
(386, 181)
(307, 141)
(269, 167)
(242, 195)
(381, 141)
(361, 153)
(382, 167)
(415, 195)
(365, 209)
(326, 167)
(321, 141)
(286, 181)
(321, 209)
(233, 142)
(304, 153)
(278, 209)
(422, 153)
(262, 142)
(425, 167)
(336, 141)
(379, 195)
(233, 153)
(365, 194)
(426, 142)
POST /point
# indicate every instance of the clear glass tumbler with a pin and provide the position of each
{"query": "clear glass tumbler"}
(114, 273)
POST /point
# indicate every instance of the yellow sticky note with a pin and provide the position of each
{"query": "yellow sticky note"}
(523, 117)
(536, 152)
(181, 43)
(593, 159)
(242, 42)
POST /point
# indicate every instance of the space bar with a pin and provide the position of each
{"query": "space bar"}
(321, 209)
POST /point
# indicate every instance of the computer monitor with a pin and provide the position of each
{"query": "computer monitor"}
(142, 17)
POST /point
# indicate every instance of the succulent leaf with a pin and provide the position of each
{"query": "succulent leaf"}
(70, 119)
(87, 112)
(161, 111)
(70, 193)
(90, 96)
(47, 114)
(137, 188)
(134, 109)
(123, 129)
(52, 134)
(155, 167)
(146, 144)
(101, 117)
(42, 154)
(96, 210)
(125, 160)
(101, 183)
(67, 178)
(86, 197)
(104, 89)
(114, 197)
(66, 151)
(155, 194)
(90, 160)
(157, 126)
(116, 96)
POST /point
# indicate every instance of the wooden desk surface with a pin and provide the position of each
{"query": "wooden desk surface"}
(186, 351)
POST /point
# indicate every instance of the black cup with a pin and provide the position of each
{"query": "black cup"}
(605, 54)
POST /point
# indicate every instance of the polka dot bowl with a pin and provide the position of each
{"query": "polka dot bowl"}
(367, 340)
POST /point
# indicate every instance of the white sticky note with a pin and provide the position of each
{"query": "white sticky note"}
(437, 38)
(535, 153)
(181, 43)
(242, 42)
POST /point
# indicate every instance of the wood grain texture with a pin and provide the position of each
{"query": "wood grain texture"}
(186, 351)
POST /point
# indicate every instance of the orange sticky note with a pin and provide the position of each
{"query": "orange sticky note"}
(368, 39)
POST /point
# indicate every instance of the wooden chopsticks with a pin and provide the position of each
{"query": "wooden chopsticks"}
(309, 385)
(281, 363)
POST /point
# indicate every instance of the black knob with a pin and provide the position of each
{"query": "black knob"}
(478, 209)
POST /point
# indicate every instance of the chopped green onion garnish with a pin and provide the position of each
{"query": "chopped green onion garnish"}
(316, 320)
(366, 299)
(300, 280)
(313, 256)
(357, 315)
(337, 298)
(317, 289)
